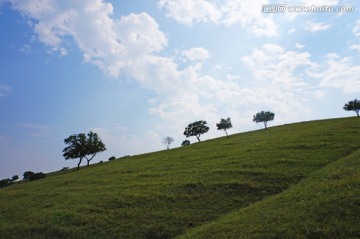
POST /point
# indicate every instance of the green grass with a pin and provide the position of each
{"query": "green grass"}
(292, 181)
(325, 205)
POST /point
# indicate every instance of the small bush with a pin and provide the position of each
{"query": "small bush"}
(185, 142)
(112, 158)
(37, 176)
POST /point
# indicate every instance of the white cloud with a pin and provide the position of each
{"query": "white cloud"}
(197, 53)
(281, 81)
(111, 44)
(273, 63)
(338, 72)
(247, 13)
(190, 11)
(355, 47)
(315, 26)
(4, 90)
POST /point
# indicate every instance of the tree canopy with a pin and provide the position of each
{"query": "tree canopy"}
(353, 105)
(83, 146)
(264, 116)
(167, 141)
(196, 129)
(224, 124)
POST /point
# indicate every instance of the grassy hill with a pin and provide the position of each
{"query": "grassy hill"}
(293, 181)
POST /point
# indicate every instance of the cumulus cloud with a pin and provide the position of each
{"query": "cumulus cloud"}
(114, 43)
(281, 77)
(273, 63)
(229, 12)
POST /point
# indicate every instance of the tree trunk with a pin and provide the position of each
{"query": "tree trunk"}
(78, 166)
(227, 136)
(88, 160)
(265, 123)
(198, 138)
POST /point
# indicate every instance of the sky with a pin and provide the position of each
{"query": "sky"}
(137, 71)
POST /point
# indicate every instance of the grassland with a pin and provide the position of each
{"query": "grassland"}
(293, 181)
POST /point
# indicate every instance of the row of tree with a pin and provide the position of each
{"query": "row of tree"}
(200, 127)
(88, 145)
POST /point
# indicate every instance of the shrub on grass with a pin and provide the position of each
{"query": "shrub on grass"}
(37, 176)
(112, 158)
(185, 142)
(5, 182)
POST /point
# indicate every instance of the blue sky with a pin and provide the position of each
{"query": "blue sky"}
(137, 71)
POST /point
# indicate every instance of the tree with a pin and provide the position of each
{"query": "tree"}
(264, 117)
(94, 146)
(14, 178)
(224, 125)
(167, 141)
(196, 129)
(185, 142)
(83, 146)
(353, 106)
(28, 174)
(5, 182)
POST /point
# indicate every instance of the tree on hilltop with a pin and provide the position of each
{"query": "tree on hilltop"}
(167, 141)
(83, 146)
(353, 105)
(264, 116)
(28, 174)
(224, 124)
(196, 129)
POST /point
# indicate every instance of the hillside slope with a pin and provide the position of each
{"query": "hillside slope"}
(169, 193)
(325, 205)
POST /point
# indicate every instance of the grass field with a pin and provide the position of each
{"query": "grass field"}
(293, 181)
